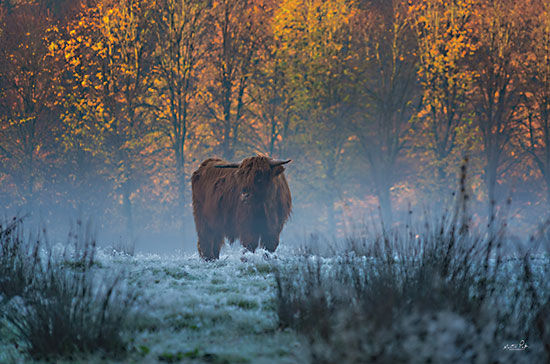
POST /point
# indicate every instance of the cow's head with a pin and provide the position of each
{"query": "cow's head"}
(256, 176)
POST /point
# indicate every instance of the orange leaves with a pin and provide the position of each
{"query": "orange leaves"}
(444, 31)
(105, 82)
(444, 41)
(312, 34)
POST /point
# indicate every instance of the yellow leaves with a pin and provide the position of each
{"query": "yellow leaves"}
(68, 55)
(312, 30)
(444, 33)
(96, 47)
(85, 81)
(422, 19)
(73, 61)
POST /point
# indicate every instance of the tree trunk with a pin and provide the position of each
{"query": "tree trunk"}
(331, 220)
(331, 214)
(182, 189)
(127, 208)
(547, 180)
(382, 184)
(384, 199)
(490, 181)
(30, 184)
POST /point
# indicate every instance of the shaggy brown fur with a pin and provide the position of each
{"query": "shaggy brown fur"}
(250, 202)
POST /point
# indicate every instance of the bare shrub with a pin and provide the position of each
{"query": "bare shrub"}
(441, 293)
(69, 305)
(16, 273)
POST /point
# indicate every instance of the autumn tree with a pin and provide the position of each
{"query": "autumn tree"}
(387, 92)
(314, 38)
(107, 52)
(501, 31)
(272, 110)
(237, 33)
(444, 31)
(535, 121)
(180, 34)
(27, 81)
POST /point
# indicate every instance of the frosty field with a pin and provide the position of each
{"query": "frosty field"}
(443, 301)
(189, 310)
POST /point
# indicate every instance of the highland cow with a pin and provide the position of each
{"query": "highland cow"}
(249, 201)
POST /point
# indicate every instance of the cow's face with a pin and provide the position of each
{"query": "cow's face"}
(256, 175)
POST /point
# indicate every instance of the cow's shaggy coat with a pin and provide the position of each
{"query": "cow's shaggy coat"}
(249, 201)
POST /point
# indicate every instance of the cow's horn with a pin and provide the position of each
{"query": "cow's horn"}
(278, 162)
(230, 165)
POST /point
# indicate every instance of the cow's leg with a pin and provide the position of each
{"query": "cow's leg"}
(250, 241)
(204, 245)
(209, 246)
(270, 242)
(217, 243)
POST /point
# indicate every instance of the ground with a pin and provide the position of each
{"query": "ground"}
(194, 311)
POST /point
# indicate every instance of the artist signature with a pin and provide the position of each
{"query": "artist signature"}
(521, 346)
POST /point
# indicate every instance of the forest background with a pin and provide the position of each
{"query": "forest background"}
(107, 107)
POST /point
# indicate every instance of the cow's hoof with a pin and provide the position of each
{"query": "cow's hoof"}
(269, 255)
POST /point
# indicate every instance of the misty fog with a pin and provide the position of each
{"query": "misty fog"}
(107, 126)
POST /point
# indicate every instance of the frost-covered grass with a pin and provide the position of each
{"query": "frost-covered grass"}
(438, 295)
(436, 291)
(175, 308)
(352, 309)
(222, 311)
(55, 301)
